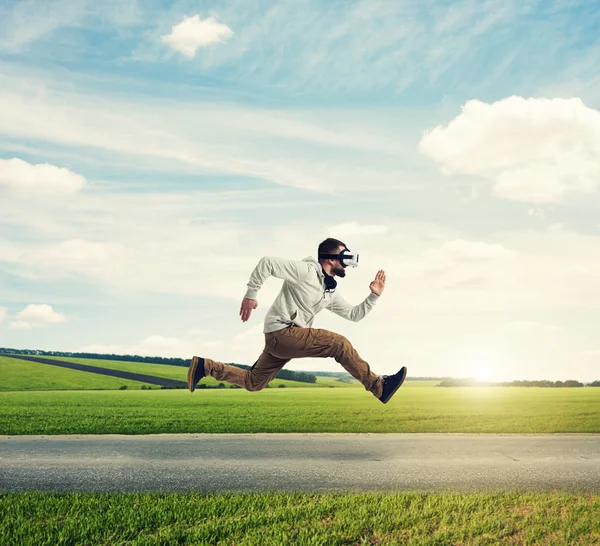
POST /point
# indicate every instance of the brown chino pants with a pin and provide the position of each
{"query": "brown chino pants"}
(295, 342)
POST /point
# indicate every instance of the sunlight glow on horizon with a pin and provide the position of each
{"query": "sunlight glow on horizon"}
(482, 373)
(483, 367)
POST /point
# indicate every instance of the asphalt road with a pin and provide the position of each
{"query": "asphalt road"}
(300, 462)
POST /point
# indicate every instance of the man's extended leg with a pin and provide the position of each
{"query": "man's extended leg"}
(296, 342)
(263, 371)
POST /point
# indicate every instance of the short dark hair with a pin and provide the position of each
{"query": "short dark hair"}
(329, 246)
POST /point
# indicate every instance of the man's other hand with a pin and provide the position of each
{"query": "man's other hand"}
(246, 308)
(378, 284)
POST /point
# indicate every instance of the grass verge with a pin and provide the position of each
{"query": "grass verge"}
(407, 518)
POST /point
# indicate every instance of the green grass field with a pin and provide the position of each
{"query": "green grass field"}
(413, 409)
(30, 376)
(407, 518)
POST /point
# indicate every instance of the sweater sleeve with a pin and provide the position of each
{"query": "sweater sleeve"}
(289, 270)
(341, 307)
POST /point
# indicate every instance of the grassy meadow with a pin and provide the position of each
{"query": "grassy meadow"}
(405, 518)
(414, 408)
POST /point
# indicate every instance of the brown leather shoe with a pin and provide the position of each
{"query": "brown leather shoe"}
(195, 373)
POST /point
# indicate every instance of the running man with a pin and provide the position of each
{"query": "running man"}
(309, 286)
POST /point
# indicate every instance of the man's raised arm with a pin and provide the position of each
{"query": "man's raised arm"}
(341, 307)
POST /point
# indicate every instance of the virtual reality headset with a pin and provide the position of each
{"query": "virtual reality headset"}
(346, 257)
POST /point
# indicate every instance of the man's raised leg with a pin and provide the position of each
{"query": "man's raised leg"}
(296, 342)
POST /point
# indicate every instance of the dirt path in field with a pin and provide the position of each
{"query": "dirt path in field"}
(153, 380)
(300, 462)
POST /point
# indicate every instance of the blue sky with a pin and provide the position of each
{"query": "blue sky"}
(151, 154)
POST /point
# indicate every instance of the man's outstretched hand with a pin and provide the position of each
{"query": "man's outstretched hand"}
(378, 284)
(246, 308)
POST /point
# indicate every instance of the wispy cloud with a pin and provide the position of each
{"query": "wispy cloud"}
(207, 137)
(25, 22)
(309, 46)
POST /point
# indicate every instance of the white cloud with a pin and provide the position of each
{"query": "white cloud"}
(27, 180)
(37, 315)
(20, 325)
(533, 150)
(193, 33)
(3, 312)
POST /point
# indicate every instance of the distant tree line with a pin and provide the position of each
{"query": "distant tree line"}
(129, 358)
(469, 382)
(303, 377)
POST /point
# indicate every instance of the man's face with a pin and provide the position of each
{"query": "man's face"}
(337, 268)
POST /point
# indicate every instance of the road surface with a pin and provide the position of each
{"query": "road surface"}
(300, 462)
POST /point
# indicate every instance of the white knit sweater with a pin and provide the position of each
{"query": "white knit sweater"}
(303, 294)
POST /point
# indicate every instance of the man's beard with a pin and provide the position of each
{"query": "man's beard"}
(340, 272)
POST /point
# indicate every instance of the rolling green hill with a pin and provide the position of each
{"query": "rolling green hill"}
(20, 375)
